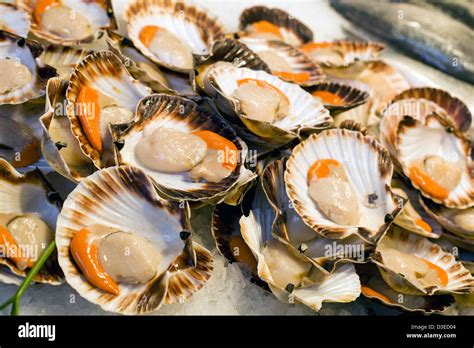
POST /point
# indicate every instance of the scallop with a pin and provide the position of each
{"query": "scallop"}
(14, 19)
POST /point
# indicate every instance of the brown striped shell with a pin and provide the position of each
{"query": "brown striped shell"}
(127, 192)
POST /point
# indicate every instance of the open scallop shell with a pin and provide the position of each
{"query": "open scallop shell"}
(306, 114)
(297, 60)
(25, 52)
(289, 228)
(98, 12)
(446, 217)
(161, 110)
(460, 280)
(128, 193)
(104, 72)
(14, 20)
(435, 136)
(456, 110)
(369, 169)
(351, 96)
(291, 30)
(192, 25)
(342, 285)
(58, 154)
(342, 53)
(375, 288)
(64, 59)
(29, 193)
(413, 217)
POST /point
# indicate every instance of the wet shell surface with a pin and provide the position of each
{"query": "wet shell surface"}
(456, 278)
(102, 71)
(64, 59)
(343, 53)
(178, 113)
(375, 288)
(28, 195)
(285, 61)
(455, 109)
(435, 138)
(289, 228)
(305, 113)
(123, 198)
(194, 27)
(273, 23)
(338, 97)
(59, 146)
(369, 171)
(69, 22)
(14, 20)
(34, 74)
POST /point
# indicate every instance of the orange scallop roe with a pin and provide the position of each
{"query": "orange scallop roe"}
(42, 6)
(242, 252)
(216, 142)
(329, 98)
(320, 169)
(427, 185)
(263, 84)
(424, 225)
(294, 77)
(442, 275)
(366, 291)
(266, 27)
(315, 45)
(147, 33)
(88, 110)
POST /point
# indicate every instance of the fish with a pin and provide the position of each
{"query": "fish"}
(424, 33)
(462, 10)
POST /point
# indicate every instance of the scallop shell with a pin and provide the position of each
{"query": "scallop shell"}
(456, 110)
(299, 62)
(352, 97)
(174, 112)
(413, 212)
(342, 53)
(29, 193)
(434, 136)
(463, 243)
(191, 24)
(64, 59)
(128, 193)
(375, 288)
(26, 52)
(369, 169)
(87, 8)
(14, 20)
(52, 151)
(460, 280)
(342, 285)
(307, 114)
(445, 217)
(292, 30)
(104, 72)
(289, 228)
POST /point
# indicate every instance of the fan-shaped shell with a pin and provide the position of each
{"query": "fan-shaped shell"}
(459, 279)
(194, 26)
(310, 72)
(305, 112)
(160, 110)
(435, 137)
(104, 72)
(25, 52)
(127, 193)
(368, 168)
(14, 20)
(351, 96)
(98, 12)
(29, 193)
(342, 53)
(64, 59)
(291, 30)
